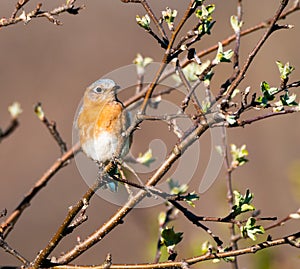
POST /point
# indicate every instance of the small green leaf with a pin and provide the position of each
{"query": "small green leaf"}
(231, 119)
(246, 207)
(190, 198)
(235, 24)
(15, 110)
(169, 16)
(162, 218)
(205, 12)
(146, 158)
(223, 56)
(251, 230)
(288, 100)
(176, 188)
(238, 155)
(268, 93)
(141, 63)
(206, 247)
(242, 203)
(144, 22)
(284, 70)
(205, 105)
(170, 238)
(192, 71)
(39, 111)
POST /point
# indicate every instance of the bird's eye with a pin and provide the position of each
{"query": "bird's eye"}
(98, 90)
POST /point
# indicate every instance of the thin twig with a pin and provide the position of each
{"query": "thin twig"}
(11, 220)
(69, 7)
(190, 91)
(19, 5)
(13, 252)
(100, 233)
(166, 59)
(213, 48)
(64, 228)
(286, 240)
(242, 123)
(155, 20)
(254, 52)
(51, 126)
(10, 129)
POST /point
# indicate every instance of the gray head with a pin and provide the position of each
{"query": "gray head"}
(101, 90)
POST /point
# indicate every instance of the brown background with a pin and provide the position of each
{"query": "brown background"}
(43, 62)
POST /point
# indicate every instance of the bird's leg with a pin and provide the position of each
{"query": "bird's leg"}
(127, 187)
(105, 173)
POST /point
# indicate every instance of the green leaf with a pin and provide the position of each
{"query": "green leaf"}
(192, 71)
(205, 16)
(242, 203)
(205, 12)
(206, 247)
(251, 230)
(169, 16)
(176, 188)
(231, 119)
(205, 28)
(170, 238)
(141, 63)
(144, 22)
(190, 198)
(284, 70)
(288, 100)
(223, 56)
(162, 218)
(39, 111)
(238, 155)
(235, 24)
(146, 158)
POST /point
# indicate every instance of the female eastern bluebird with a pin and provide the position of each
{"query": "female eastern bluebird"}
(102, 121)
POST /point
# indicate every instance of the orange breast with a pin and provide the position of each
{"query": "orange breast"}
(98, 117)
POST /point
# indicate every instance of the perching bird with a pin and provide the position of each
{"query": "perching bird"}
(102, 123)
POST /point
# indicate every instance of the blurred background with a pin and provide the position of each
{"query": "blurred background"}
(41, 62)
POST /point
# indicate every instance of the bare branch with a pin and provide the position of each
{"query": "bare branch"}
(7, 226)
(51, 126)
(69, 7)
(19, 5)
(242, 123)
(13, 252)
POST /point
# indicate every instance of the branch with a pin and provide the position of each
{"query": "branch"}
(242, 123)
(65, 228)
(155, 20)
(10, 129)
(19, 5)
(117, 218)
(254, 52)
(13, 252)
(51, 126)
(224, 42)
(9, 223)
(287, 240)
(166, 59)
(69, 7)
(14, 110)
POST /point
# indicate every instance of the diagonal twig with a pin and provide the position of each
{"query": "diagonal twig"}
(7, 226)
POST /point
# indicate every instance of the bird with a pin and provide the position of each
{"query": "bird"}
(102, 123)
